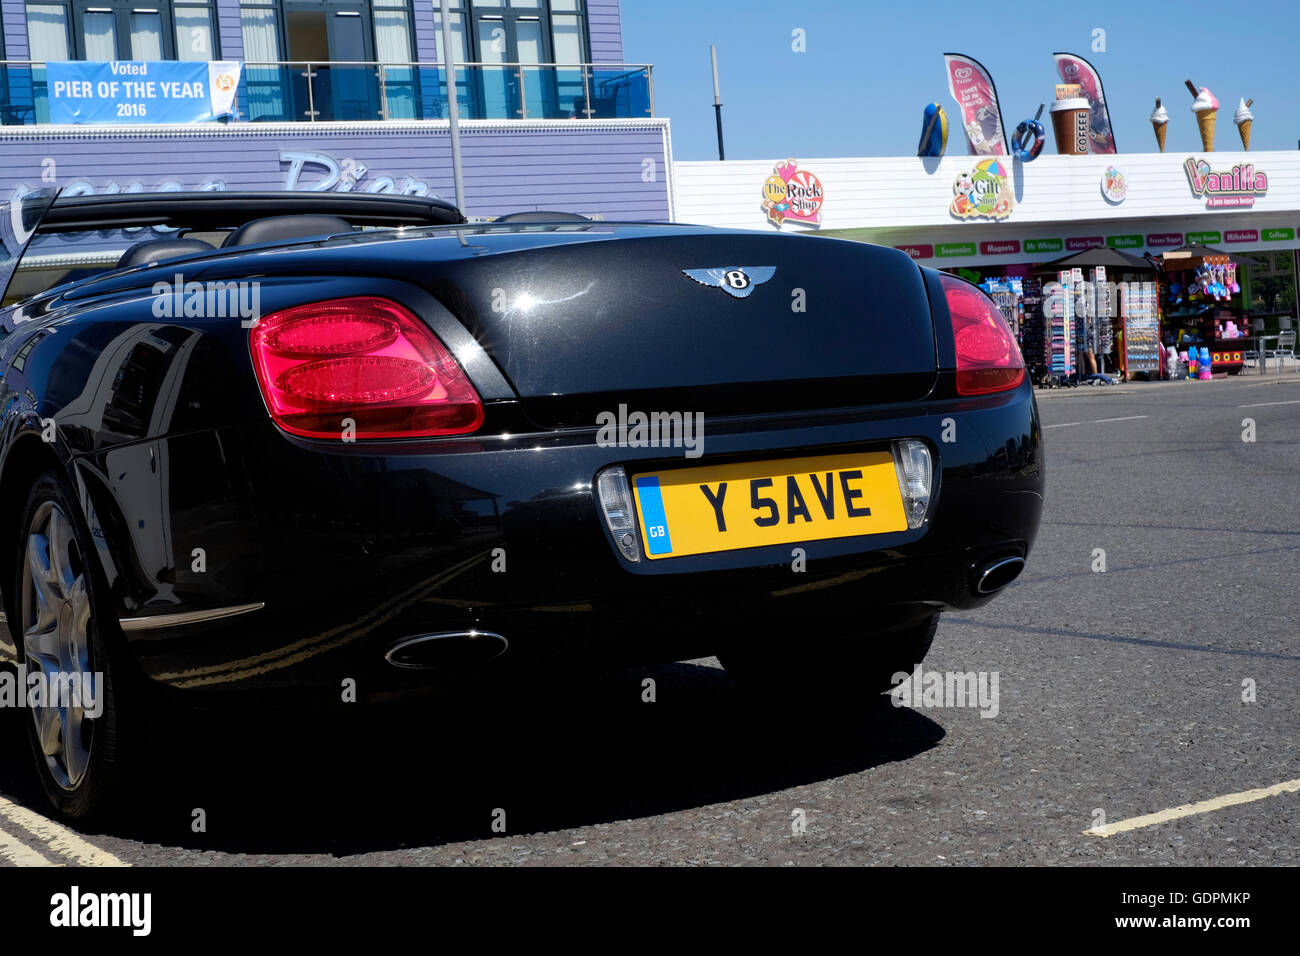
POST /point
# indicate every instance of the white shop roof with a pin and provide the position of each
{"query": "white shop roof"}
(904, 201)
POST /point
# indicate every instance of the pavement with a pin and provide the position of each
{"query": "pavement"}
(1146, 713)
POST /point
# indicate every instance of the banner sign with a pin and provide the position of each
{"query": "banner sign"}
(135, 91)
(977, 102)
(1075, 69)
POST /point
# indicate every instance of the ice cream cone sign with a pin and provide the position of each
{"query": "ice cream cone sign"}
(1160, 124)
(1244, 119)
(1206, 108)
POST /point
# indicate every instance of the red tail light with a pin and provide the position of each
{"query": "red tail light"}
(988, 358)
(364, 358)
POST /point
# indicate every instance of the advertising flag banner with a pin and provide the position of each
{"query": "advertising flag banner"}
(137, 91)
(1075, 69)
(977, 102)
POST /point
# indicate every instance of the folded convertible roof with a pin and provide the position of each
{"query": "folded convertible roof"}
(229, 210)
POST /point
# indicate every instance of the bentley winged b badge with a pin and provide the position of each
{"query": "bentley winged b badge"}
(736, 281)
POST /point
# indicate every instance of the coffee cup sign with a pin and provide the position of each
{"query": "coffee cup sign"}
(1071, 119)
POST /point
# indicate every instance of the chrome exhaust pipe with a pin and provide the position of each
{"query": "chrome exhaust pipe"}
(996, 575)
(449, 647)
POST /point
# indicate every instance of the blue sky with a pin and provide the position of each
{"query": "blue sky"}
(870, 69)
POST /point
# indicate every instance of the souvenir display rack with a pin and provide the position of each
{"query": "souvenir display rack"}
(1062, 329)
(1197, 315)
(1139, 347)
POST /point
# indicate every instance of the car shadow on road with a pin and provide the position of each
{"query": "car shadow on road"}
(559, 753)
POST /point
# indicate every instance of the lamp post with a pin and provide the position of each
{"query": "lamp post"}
(453, 108)
(717, 99)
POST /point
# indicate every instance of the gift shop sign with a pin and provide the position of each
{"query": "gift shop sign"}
(793, 195)
(983, 192)
(1232, 188)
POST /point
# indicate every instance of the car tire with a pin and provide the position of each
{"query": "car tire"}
(65, 624)
(843, 673)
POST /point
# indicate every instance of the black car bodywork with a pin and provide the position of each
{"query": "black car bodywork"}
(238, 556)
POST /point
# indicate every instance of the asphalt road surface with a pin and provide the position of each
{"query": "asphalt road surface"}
(1168, 679)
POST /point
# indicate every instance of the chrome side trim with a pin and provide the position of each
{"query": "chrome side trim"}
(154, 621)
(502, 645)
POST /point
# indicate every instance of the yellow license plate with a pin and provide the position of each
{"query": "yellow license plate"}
(724, 507)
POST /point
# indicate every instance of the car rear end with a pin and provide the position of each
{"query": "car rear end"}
(492, 452)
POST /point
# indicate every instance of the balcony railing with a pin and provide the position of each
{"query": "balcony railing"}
(311, 92)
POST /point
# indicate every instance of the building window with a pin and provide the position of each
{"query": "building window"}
(1273, 284)
(260, 24)
(519, 31)
(47, 31)
(393, 35)
(324, 31)
(194, 34)
(338, 38)
(122, 30)
(146, 35)
(99, 34)
(495, 33)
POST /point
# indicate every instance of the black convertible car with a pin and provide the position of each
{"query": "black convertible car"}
(298, 443)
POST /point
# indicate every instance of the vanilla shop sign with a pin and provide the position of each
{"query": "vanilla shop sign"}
(1236, 187)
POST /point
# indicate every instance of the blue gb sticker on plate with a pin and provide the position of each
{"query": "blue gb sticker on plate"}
(653, 517)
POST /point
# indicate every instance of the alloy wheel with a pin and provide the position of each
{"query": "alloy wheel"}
(56, 640)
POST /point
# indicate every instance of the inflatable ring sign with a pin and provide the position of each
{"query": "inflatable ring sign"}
(1029, 137)
(934, 132)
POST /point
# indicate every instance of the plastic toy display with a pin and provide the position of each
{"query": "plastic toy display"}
(1028, 140)
(934, 132)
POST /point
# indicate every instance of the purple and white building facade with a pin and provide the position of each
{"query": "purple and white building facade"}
(351, 95)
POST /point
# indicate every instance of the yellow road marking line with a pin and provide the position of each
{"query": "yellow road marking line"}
(60, 838)
(18, 853)
(1191, 809)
